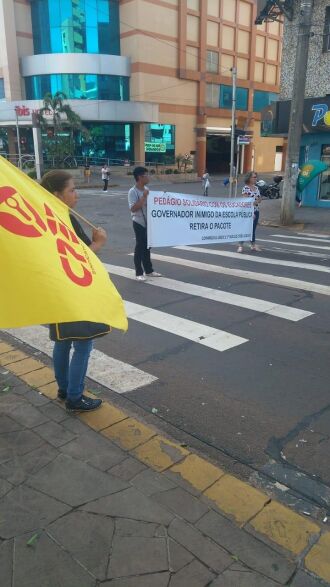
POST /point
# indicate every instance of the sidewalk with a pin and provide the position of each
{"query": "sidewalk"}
(308, 219)
(103, 499)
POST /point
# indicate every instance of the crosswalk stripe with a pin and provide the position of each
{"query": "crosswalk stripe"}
(314, 234)
(302, 238)
(265, 307)
(267, 240)
(264, 277)
(319, 255)
(111, 373)
(255, 259)
(213, 338)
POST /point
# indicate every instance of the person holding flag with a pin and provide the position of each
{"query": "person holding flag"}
(52, 276)
(70, 375)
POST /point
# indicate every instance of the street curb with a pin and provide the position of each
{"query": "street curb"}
(299, 539)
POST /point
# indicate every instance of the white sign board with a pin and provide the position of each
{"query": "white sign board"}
(181, 219)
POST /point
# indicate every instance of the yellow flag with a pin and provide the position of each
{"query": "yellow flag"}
(47, 274)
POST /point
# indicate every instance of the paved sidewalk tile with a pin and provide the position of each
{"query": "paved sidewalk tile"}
(88, 538)
(74, 482)
(201, 547)
(301, 579)
(252, 552)
(126, 527)
(54, 433)
(179, 556)
(150, 482)
(24, 509)
(127, 469)
(39, 378)
(95, 450)
(25, 366)
(182, 503)
(153, 580)
(5, 348)
(239, 576)
(137, 556)
(47, 564)
(11, 357)
(17, 469)
(132, 504)
(194, 575)
(18, 443)
(6, 562)
(106, 416)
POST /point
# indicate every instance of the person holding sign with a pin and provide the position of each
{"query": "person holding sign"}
(137, 202)
(250, 190)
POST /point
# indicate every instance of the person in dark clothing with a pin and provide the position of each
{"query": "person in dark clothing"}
(70, 374)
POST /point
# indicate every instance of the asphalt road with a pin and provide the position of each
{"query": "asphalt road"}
(261, 408)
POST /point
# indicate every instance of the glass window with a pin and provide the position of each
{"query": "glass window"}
(105, 140)
(160, 143)
(75, 26)
(212, 95)
(212, 62)
(2, 88)
(226, 97)
(263, 99)
(324, 193)
(78, 86)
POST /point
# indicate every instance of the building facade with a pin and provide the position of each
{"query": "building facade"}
(315, 142)
(150, 79)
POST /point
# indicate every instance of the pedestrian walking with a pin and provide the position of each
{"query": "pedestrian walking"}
(206, 182)
(70, 374)
(250, 190)
(137, 202)
(105, 177)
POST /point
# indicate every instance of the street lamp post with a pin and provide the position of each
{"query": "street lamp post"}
(233, 122)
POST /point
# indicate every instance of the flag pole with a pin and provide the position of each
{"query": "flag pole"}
(75, 213)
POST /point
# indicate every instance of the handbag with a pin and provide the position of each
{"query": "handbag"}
(82, 330)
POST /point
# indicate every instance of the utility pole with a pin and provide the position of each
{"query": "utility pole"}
(37, 145)
(296, 115)
(233, 123)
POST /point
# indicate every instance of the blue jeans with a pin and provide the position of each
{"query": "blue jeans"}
(70, 375)
(255, 222)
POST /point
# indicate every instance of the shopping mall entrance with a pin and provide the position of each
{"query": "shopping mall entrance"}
(218, 153)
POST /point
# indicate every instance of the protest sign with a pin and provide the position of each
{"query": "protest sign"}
(181, 219)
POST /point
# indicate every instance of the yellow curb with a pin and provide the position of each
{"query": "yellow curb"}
(49, 390)
(39, 377)
(285, 527)
(106, 416)
(25, 366)
(160, 453)
(129, 433)
(318, 559)
(198, 472)
(236, 498)
(12, 357)
(5, 348)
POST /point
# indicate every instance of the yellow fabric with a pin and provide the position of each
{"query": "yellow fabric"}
(47, 274)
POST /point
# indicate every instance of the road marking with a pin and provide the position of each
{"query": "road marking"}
(111, 373)
(213, 338)
(255, 259)
(314, 234)
(278, 310)
(322, 256)
(303, 238)
(266, 240)
(276, 280)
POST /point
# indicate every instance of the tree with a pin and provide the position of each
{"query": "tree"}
(60, 117)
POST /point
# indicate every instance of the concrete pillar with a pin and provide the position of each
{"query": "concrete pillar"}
(139, 155)
(201, 144)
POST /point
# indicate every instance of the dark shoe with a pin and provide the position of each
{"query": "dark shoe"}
(61, 394)
(84, 404)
